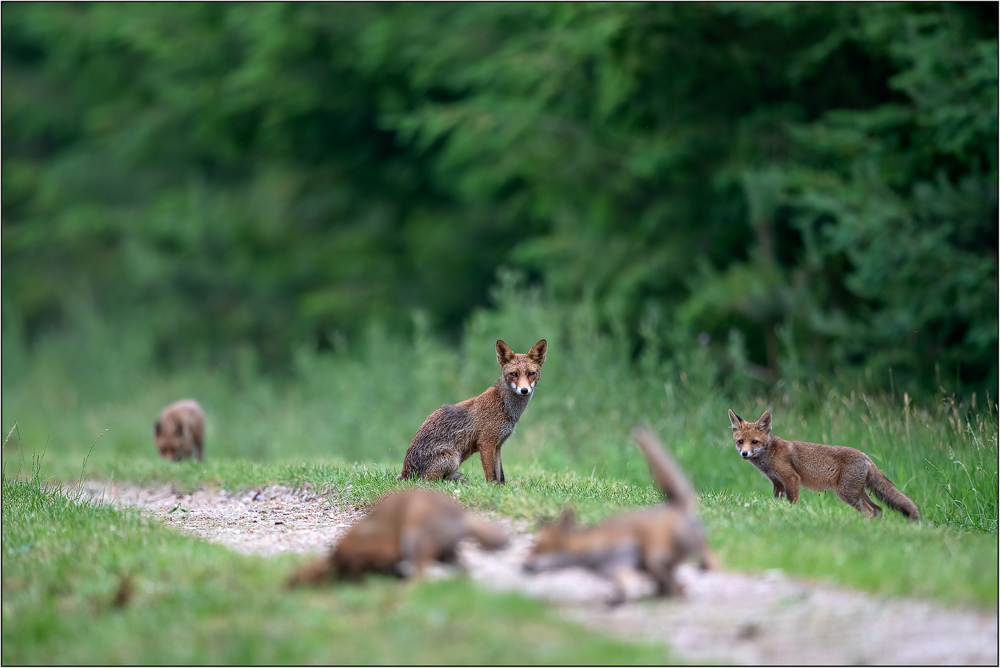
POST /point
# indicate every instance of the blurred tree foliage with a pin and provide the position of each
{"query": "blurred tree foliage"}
(813, 186)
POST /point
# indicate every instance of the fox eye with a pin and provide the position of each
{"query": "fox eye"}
(739, 442)
(531, 373)
(513, 374)
(754, 442)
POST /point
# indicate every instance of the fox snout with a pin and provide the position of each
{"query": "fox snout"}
(522, 390)
(548, 554)
(749, 454)
(537, 563)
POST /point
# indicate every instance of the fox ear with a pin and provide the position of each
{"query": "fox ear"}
(567, 519)
(157, 428)
(735, 419)
(537, 352)
(504, 353)
(765, 422)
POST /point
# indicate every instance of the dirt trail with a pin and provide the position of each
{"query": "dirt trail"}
(724, 616)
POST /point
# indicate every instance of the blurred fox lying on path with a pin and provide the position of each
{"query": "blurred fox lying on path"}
(399, 536)
(481, 424)
(180, 431)
(787, 464)
(655, 540)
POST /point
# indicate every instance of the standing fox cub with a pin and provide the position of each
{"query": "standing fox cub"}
(480, 424)
(654, 540)
(787, 464)
(401, 534)
(180, 431)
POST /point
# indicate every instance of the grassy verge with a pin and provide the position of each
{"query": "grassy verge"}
(85, 584)
(68, 397)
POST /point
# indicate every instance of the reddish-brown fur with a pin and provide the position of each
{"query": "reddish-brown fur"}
(180, 431)
(401, 535)
(655, 540)
(788, 464)
(482, 424)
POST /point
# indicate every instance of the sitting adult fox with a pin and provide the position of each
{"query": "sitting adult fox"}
(481, 424)
(819, 467)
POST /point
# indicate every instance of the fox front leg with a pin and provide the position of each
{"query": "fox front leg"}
(619, 578)
(409, 554)
(790, 481)
(189, 442)
(489, 456)
(498, 472)
(489, 445)
(778, 489)
(661, 565)
(667, 584)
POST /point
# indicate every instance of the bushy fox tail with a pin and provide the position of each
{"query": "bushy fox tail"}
(489, 535)
(886, 492)
(313, 573)
(666, 472)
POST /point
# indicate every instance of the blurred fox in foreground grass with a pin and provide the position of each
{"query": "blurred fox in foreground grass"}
(819, 467)
(481, 424)
(399, 536)
(655, 540)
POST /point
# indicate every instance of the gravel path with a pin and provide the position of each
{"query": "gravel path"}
(724, 616)
(267, 521)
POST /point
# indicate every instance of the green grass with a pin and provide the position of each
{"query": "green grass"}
(192, 603)
(823, 540)
(365, 406)
(348, 418)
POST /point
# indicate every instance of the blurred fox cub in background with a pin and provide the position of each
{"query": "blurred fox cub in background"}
(787, 464)
(480, 424)
(180, 431)
(655, 540)
(401, 534)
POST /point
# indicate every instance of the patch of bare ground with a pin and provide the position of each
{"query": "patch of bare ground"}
(267, 520)
(724, 616)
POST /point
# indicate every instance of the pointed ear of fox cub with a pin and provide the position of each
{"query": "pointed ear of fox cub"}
(537, 352)
(764, 423)
(504, 353)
